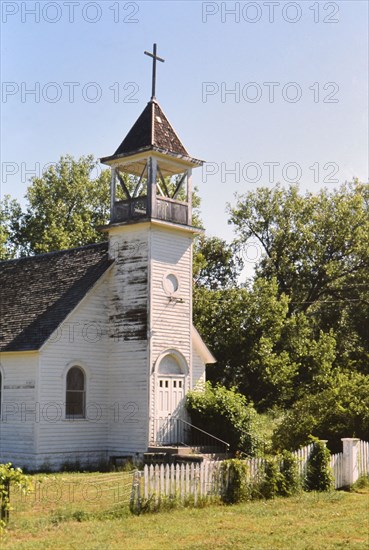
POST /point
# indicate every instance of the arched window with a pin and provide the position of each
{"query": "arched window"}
(169, 364)
(76, 393)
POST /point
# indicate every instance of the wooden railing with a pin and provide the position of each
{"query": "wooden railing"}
(172, 211)
(129, 209)
(166, 209)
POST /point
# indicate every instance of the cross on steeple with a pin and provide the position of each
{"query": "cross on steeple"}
(155, 58)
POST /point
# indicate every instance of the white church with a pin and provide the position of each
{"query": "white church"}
(97, 345)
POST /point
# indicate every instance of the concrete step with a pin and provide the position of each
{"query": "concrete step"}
(173, 450)
(155, 458)
(180, 454)
(216, 456)
(185, 459)
(171, 458)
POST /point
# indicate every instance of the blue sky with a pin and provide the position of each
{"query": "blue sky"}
(314, 55)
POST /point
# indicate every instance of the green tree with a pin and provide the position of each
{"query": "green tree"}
(316, 246)
(270, 356)
(340, 410)
(319, 476)
(64, 207)
(216, 263)
(14, 477)
(10, 215)
(312, 243)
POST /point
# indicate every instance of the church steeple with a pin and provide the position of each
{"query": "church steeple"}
(150, 290)
(160, 165)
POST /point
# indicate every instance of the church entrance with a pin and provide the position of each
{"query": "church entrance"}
(170, 396)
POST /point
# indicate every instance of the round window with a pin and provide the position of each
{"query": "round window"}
(170, 283)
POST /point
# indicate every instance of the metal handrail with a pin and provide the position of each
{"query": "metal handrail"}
(204, 432)
(175, 430)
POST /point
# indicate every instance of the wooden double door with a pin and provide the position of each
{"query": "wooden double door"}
(170, 429)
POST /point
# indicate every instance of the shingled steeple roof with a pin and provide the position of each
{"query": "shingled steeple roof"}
(152, 128)
(151, 131)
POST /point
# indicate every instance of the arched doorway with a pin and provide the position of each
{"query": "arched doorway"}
(170, 392)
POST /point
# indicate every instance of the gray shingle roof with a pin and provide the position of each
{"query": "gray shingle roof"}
(151, 132)
(151, 128)
(38, 292)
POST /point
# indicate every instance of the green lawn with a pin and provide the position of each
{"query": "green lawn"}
(310, 521)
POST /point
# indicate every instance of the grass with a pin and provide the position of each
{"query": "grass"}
(310, 521)
(59, 497)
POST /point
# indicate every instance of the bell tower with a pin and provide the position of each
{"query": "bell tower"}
(159, 167)
(150, 309)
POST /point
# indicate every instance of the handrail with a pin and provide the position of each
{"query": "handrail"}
(204, 432)
(176, 430)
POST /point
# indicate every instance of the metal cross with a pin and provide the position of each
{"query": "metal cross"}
(155, 58)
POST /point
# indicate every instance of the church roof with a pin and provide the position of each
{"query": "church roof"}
(151, 131)
(38, 292)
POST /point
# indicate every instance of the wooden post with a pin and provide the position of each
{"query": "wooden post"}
(139, 491)
(183, 475)
(189, 196)
(135, 500)
(350, 460)
(145, 481)
(162, 480)
(187, 490)
(5, 503)
(172, 481)
(363, 458)
(197, 483)
(151, 480)
(177, 480)
(112, 192)
(192, 478)
(151, 187)
(167, 480)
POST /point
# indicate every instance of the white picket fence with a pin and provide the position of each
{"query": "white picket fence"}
(256, 466)
(337, 466)
(363, 458)
(182, 480)
(302, 456)
(203, 480)
(354, 465)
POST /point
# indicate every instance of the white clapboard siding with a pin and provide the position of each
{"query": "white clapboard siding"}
(198, 369)
(170, 321)
(20, 410)
(82, 340)
(115, 364)
(128, 351)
